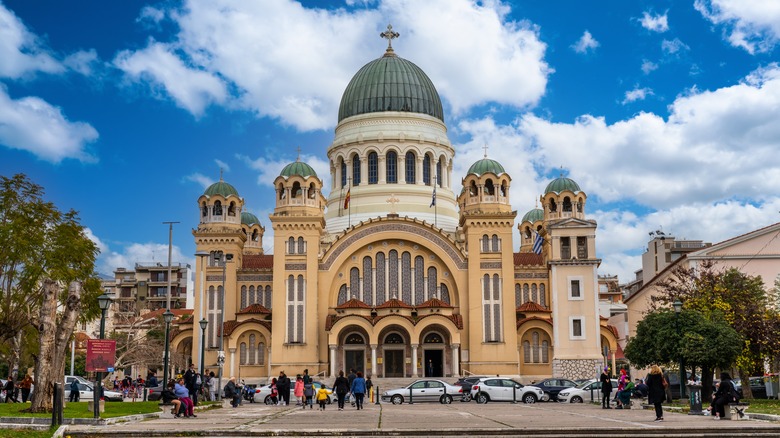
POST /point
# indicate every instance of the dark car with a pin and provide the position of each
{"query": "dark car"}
(553, 386)
(758, 387)
(154, 392)
(466, 383)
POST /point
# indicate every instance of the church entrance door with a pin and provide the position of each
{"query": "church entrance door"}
(354, 359)
(394, 363)
(434, 363)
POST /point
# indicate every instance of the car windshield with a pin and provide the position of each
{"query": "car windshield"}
(584, 385)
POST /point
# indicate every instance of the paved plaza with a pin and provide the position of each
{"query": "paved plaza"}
(433, 419)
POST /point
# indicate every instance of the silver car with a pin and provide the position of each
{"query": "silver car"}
(504, 389)
(425, 390)
(86, 393)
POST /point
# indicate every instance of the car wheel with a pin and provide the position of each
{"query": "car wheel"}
(445, 399)
(466, 397)
(268, 400)
(576, 399)
(397, 399)
(482, 398)
(328, 401)
(529, 399)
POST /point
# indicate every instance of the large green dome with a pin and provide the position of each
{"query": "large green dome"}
(534, 215)
(221, 188)
(486, 165)
(249, 218)
(297, 168)
(390, 83)
(562, 184)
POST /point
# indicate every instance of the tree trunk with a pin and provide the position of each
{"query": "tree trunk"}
(16, 354)
(744, 376)
(54, 337)
(706, 385)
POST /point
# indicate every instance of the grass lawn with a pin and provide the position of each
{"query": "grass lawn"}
(80, 410)
(757, 406)
(25, 433)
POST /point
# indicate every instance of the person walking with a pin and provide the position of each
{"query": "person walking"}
(308, 390)
(322, 396)
(606, 388)
(656, 390)
(351, 377)
(274, 392)
(369, 389)
(26, 386)
(283, 386)
(213, 386)
(299, 391)
(10, 391)
(358, 389)
(75, 395)
(341, 386)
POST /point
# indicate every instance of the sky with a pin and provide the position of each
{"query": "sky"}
(664, 112)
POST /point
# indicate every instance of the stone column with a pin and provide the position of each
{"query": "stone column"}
(332, 360)
(455, 359)
(419, 172)
(364, 171)
(232, 362)
(269, 360)
(401, 168)
(414, 360)
(381, 169)
(373, 360)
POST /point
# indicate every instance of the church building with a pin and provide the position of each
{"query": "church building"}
(403, 269)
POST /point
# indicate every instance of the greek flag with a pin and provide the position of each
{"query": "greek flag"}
(433, 197)
(538, 242)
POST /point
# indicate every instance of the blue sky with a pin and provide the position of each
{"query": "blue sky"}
(664, 112)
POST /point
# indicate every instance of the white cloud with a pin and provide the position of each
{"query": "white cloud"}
(151, 14)
(285, 61)
(36, 126)
(655, 23)
(191, 88)
(637, 94)
(83, 61)
(585, 43)
(222, 165)
(20, 50)
(648, 66)
(674, 46)
(133, 253)
(753, 25)
(201, 179)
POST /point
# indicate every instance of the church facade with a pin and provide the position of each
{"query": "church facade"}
(403, 269)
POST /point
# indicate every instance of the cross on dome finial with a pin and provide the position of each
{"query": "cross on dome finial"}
(299, 154)
(390, 36)
(220, 174)
(485, 148)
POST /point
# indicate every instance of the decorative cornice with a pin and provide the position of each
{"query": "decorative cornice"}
(490, 265)
(295, 266)
(530, 275)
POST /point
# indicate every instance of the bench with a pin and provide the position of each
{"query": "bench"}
(736, 411)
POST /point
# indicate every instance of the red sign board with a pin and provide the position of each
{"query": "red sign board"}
(101, 354)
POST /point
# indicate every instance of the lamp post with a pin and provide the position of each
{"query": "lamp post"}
(221, 327)
(203, 323)
(168, 318)
(201, 288)
(677, 309)
(104, 301)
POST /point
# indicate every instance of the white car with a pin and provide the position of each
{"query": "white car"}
(263, 394)
(504, 389)
(589, 390)
(87, 393)
(425, 390)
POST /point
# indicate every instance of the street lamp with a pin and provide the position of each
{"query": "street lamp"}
(168, 318)
(221, 326)
(201, 281)
(203, 323)
(104, 301)
(677, 309)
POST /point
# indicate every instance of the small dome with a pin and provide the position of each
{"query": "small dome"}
(390, 83)
(297, 168)
(249, 219)
(534, 215)
(486, 165)
(562, 184)
(221, 188)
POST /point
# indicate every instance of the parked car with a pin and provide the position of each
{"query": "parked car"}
(425, 390)
(86, 393)
(504, 389)
(466, 383)
(154, 392)
(553, 386)
(263, 393)
(589, 390)
(758, 387)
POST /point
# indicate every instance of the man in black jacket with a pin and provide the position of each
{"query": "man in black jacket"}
(190, 381)
(283, 387)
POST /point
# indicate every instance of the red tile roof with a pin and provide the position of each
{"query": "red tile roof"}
(255, 261)
(395, 303)
(179, 315)
(253, 309)
(528, 259)
(434, 302)
(532, 307)
(354, 303)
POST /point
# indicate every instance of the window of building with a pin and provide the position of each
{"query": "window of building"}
(267, 303)
(485, 243)
(368, 282)
(533, 294)
(567, 204)
(355, 170)
(343, 174)
(565, 248)
(391, 166)
(373, 168)
(354, 284)
(542, 296)
(419, 280)
(438, 172)
(296, 190)
(243, 297)
(518, 296)
(575, 288)
(301, 246)
(296, 294)
(582, 247)
(380, 278)
(432, 282)
(576, 327)
(427, 170)
(217, 208)
(291, 245)
(205, 210)
(491, 308)
(406, 277)
(490, 189)
(411, 167)
(494, 242)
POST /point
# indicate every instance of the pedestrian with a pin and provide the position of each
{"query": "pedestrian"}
(213, 386)
(430, 368)
(274, 392)
(232, 392)
(10, 391)
(358, 389)
(351, 377)
(183, 393)
(606, 388)
(322, 396)
(341, 386)
(624, 396)
(169, 396)
(299, 391)
(668, 387)
(151, 379)
(308, 390)
(283, 387)
(206, 387)
(369, 389)
(725, 394)
(26, 386)
(75, 395)
(189, 381)
(656, 390)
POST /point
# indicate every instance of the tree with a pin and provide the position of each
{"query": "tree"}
(42, 252)
(739, 299)
(702, 342)
(139, 341)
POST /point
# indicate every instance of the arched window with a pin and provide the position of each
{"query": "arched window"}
(354, 284)
(261, 353)
(291, 245)
(301, 246)
(373, 168)
(518, 296)
(535, 345)
(242, 353)
(527, 232)
(217, 208)
(432, 282)
(419, 280)
(494, 241)
(411, 167)
(296, 190)
(205, 210)
(433, 338)
(545, 352)
(473, 189)
(391, 166)
(342, 295)
(354, 339)
(252, 350)
(243, 297)
(542, 296)
(533, 293)
(445, 293)
(566, 204)
(251, 296)
(343, 173)
(490, 189)
(368, 283)
(526, 298)
(553, 205)
(427, 170)
(267, 302)
(526, 352)
(232, 209)
(485, 243)
(380, 278)
(312, 192)
(503, 189)
(406, 277)
(579, 205)
(355, 170)
(438, 172)
(255, 236)
(392, 274)
(394, 338)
